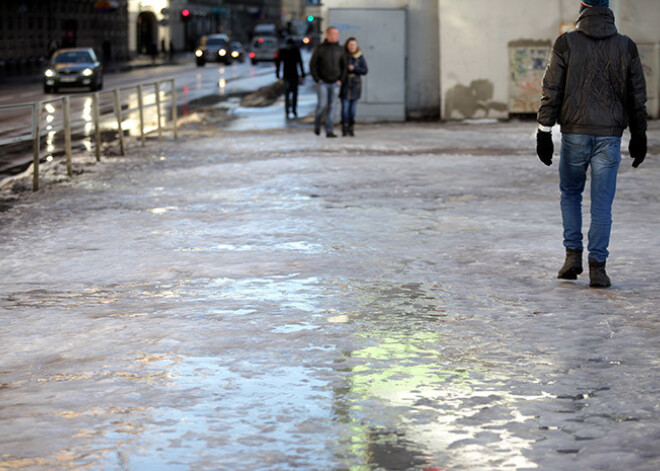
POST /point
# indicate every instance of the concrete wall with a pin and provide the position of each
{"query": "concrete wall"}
(422, 73)
(474, 38)
(458, 51)
(640, 19)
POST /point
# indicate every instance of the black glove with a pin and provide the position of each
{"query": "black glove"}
(544, 147)
(637, 148)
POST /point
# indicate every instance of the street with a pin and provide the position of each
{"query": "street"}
(274, 300)
(187, 75)
(192, 83)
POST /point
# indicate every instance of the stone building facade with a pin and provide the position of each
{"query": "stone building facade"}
(31, 29)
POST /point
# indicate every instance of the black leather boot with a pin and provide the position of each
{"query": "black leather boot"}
(351, 126)
(344, 129)
(572, 265)
(597, 276)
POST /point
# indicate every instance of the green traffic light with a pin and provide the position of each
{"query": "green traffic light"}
(310, 18)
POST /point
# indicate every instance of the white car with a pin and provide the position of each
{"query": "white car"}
(264, 49)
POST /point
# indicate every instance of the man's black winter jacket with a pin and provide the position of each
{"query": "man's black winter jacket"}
(594, 83)
(328, 63)
(291, 60)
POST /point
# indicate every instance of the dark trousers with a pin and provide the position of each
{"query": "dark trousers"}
(291, 94)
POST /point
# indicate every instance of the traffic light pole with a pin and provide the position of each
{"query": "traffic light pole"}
(315, 11)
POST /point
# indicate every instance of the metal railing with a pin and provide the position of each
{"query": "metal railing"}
(38, 107)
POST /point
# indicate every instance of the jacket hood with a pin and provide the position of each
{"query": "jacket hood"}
(597, 22)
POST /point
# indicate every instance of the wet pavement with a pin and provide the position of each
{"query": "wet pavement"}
(274, 300)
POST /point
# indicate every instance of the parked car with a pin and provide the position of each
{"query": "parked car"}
(237, 51)
(264, 49)
(74, 67)
(213, 48)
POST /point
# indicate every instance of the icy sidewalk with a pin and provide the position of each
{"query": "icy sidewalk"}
(276, 300)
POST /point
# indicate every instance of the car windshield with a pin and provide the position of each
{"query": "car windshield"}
(72, 57)
(215, 42)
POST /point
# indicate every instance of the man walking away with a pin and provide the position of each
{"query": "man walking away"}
(594, 88)
(290, 58)
(328, 68)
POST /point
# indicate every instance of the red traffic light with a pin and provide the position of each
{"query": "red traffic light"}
(185, 13)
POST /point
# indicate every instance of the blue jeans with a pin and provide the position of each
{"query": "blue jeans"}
(348, 108)
(327, 97)
(603, 154)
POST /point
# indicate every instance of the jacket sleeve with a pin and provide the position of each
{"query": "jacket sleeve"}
(361, 67)
(299, 62)
(636, 87)
(278, 61)
(314, 65)
(554, 83)
(343, 67)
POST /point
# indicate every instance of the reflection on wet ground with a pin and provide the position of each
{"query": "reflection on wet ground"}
(206, 309)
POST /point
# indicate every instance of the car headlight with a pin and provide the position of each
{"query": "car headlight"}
(87, 72)
(199, 53)
(222, 52)
(49, 73)
(235, 54)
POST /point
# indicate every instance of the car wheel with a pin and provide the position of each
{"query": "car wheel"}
(254, 61)
(48, 89)
(200, 63)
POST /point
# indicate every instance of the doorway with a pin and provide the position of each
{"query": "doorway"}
(146, 32)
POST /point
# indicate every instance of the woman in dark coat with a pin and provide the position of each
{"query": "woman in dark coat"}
(351, 87)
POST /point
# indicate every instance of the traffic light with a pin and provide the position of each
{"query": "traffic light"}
(185, 15)
(310, 18)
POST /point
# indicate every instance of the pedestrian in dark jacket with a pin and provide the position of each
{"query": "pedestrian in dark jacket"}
(290, 59)
(594, 88)
(351, 88)
(328, 68)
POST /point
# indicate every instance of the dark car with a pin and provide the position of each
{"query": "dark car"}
(237, 51)
(76, 67)
(213, 48)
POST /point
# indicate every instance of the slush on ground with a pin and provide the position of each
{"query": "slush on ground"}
(274, 300)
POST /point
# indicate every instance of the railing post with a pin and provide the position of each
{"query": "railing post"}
(160, 131)
(174, 110)
(140, 106)
(119, 119)
(36, 122)
(66, 111)
(97, 127)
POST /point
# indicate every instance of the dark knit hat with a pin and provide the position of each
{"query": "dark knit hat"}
(595, 3)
